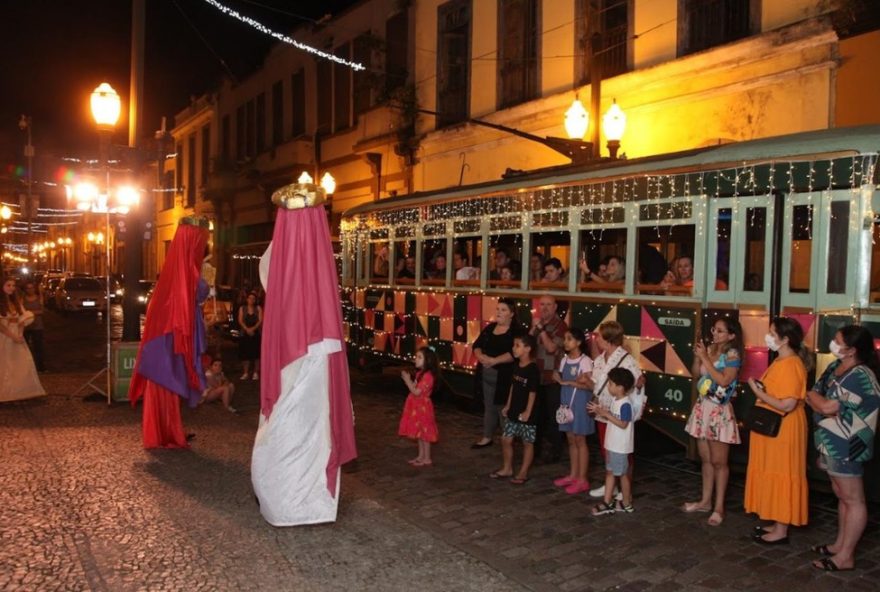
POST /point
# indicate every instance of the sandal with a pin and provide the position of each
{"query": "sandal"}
(715, 519)
(827, 564)
(821, 550)
(628, 508)
(519, 480)
(499, 475)
(691, 507)
(603, 509)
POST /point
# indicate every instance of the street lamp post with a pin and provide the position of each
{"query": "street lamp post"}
(614, 124)
(26, 123)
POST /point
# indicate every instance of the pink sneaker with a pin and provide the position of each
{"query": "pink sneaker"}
(563, 481)
(577, 486)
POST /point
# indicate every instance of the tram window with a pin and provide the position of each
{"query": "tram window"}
(722, 260)
(404, 262)
(756, 234)
(379, 263)
(801, 248)
(665, 261)
(434, 262)
(602, 267)
(466, 261)
(551, 250)
(875, 261)
(838, 239)
(505, 255)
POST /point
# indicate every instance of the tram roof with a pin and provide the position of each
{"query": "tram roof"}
(814, 145)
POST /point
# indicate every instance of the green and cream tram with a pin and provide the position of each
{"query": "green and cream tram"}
(782, 225)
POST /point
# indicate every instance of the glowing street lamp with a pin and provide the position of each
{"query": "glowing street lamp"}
(106, 106)
(328, 183)
(577, 120)
(614, 124)
(5, 213)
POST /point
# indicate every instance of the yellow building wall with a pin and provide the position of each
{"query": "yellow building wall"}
(557, 46)
(778, 13)
(656, 25)
(857, 87)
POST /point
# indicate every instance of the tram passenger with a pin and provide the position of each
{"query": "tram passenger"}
(380, 263)
(463, 269)
(614, 276)
(536, 267)
(681, 273)
(712, 422)
(776, 478)
(501, 259)
(508, 273)
(553, 271)
(406, 269)
(549, 332)
(845, 401)
(437, 269)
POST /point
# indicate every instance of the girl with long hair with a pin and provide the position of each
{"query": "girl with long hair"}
(417, 421)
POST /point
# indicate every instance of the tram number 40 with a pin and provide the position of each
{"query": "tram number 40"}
(674, 395)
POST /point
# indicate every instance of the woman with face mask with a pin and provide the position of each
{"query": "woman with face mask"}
(845, 401)
(776, 478)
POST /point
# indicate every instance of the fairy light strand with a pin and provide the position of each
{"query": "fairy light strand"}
(356, 66)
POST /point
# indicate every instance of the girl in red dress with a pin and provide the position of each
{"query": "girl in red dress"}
(418, 420)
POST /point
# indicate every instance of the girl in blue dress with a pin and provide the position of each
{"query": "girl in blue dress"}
(574, 378)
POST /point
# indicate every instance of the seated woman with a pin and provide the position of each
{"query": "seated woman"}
(613, 277)
(680, 277)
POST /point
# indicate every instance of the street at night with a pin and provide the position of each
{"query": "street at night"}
(85, 507)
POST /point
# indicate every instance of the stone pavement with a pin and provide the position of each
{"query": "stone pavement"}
(84, 507)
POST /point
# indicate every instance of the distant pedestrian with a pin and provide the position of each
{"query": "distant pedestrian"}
(520, 411)
(33, 333)
(18, 376)
(417, 421)
(250, 319)
(619, 440)
(574, 378)
(219, 386)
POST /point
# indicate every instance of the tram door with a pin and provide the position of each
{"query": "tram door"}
(740, 252)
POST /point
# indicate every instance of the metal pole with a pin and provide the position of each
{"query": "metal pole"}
(29, 152)
(107, 280)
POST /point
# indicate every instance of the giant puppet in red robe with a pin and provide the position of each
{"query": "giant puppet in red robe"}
(168, 366)
(306, 429)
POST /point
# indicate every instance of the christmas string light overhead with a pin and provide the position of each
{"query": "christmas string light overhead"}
(356, 66)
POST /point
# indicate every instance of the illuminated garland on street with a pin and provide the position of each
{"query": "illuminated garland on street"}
(284, 38)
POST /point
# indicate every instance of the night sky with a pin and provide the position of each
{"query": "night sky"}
(53, 53)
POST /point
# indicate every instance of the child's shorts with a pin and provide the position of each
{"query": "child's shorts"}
(516, 429)
(617, 463)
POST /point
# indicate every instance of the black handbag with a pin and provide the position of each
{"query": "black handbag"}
(763, 421)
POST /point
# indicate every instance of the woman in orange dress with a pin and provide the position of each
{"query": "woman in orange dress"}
(776, 479)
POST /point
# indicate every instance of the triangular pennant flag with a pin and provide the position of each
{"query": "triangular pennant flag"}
(446, 305)
(674, 365)
(650, 328)
(422, 325)
(399, 324)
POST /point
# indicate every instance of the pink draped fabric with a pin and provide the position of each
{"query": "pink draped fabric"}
(303, 308)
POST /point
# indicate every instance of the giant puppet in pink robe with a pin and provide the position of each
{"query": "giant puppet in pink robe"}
(306, 429)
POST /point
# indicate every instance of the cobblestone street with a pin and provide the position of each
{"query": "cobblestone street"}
(84, 507)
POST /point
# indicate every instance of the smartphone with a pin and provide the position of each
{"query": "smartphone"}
(760, 385)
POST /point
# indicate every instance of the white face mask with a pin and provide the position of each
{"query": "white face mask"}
(771, 342)
(835, 349)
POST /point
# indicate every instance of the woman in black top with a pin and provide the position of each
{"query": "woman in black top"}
(493, 351)
(250, 319)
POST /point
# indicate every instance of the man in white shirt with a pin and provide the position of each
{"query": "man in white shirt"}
(463, 269)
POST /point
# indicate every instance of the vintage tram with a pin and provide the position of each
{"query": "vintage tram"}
(782, 225)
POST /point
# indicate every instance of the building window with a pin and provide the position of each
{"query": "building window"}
(261, 123)
(277, 113)
(342, 90)
(191, 171)
(225, 139)
(396, 51)
(709, 23)
(169, 190)
(206, 153)
(324, 90)
(298, 103)
(611, 20)
(240, 135)
(517, 51)
(362, 95)
(453, 61)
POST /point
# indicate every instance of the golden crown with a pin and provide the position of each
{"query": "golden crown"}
(302, 194)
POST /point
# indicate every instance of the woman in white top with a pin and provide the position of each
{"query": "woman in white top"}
(612, 354)
(18, 376)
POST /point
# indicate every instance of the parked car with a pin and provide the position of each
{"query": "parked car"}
(76, 294)
(145, 291)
